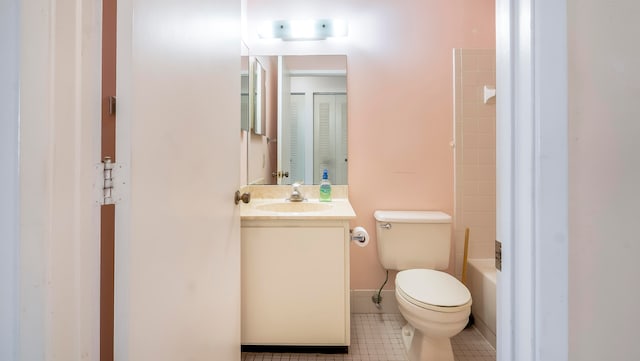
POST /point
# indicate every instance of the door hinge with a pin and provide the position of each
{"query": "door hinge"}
(110, 179)
(498, 255)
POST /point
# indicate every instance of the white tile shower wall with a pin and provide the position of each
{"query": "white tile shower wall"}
(475, 154)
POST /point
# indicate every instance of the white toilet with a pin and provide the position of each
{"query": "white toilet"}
(435, 304)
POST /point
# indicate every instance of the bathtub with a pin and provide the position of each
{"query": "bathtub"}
(481, 281)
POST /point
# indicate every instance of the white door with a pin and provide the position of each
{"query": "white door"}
(177, 260)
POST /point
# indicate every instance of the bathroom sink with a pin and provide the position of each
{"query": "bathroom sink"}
(294, 207)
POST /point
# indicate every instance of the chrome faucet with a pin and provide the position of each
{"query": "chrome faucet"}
(296, 194)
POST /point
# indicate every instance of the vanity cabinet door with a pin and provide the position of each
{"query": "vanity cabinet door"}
(294, 287)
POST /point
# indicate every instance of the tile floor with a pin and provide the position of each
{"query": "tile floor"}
(376, 337)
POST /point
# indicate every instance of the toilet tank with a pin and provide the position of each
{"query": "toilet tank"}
(413, 239)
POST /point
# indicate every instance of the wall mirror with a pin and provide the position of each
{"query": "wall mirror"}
(304, 99)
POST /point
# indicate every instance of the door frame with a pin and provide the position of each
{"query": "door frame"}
(9, 182)
(57, 241)
(532, 179)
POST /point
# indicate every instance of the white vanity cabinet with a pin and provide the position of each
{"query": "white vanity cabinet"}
(295, 282)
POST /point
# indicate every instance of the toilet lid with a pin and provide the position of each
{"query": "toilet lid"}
(412, 216)
(425, 287)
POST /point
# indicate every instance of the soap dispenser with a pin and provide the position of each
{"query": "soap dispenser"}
(325, 187)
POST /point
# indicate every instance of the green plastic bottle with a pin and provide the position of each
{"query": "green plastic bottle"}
(325, 187)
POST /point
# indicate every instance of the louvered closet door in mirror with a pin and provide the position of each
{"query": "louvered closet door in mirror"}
(330, 137)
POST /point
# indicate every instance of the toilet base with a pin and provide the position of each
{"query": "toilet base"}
(421, 348)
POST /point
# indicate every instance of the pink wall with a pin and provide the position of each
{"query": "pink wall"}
(400, 98)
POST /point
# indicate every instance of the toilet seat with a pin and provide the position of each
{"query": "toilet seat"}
(433, 290)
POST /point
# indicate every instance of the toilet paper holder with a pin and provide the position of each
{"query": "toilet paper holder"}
(357, 237)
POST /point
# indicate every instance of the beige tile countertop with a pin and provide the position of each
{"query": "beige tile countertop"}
(269, 203)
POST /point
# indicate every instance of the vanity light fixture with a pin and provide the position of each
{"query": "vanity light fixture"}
(304, 29)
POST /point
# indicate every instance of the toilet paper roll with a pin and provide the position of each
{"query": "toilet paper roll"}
(360, 237)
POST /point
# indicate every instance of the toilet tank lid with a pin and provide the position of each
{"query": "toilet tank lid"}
(412, 216)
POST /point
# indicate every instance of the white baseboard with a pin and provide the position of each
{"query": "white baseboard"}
(486, 332)
(361, 302)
